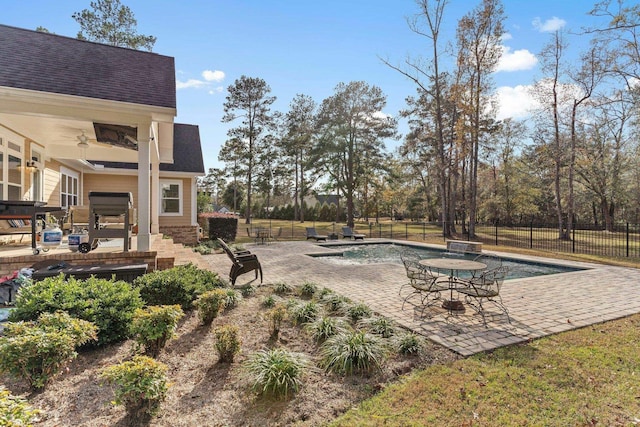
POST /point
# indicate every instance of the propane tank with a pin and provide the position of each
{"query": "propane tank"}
(51, 236)
(76, 239)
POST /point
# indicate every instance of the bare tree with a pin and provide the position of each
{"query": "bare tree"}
(428, 76)
(479, 36)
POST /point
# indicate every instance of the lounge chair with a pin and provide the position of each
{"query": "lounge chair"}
(312, 234)
(243, 262)
(348, 232)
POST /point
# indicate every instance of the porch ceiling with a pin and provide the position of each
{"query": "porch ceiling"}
(59, 136)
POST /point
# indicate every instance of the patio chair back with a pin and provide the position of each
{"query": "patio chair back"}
(486, 287)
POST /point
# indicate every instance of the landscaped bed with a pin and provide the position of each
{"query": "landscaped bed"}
(204, 391)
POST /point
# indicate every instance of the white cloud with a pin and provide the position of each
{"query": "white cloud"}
(213, 76)
(191, 83)
(550, 25)
(506, 36)
(515, 102)
(209, 76)
(517, 60)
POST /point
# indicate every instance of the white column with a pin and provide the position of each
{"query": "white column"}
(155, 190)
(144, 179)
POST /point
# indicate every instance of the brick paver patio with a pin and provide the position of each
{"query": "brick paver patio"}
(538, 306)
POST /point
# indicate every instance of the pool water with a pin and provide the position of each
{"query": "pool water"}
(378, 253)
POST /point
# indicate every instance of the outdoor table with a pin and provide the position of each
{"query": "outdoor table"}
(453, 265)
(262, 234)
(27, 209)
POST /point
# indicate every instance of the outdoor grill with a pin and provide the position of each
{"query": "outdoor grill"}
(105, 207)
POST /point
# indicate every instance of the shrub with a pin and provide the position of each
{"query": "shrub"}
(378, 326)
(308, 289)
(37, 351)
(247, 290)
(408, 343)
(203, 249)
(227, 342)
(154, 326)
(358, 311)
(336, 303)
(282, 288)
(108, 304)
(268, 301)
(304, 313)
(352, 352)
(141, 385)
(325, 328)
(232, 300)
(15, 411)
(210, 304)
(79, 330)
(276, 316)
(178, 285)
(276, 372)
(324, 292)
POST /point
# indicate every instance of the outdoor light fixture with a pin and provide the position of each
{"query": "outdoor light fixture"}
(83, 141)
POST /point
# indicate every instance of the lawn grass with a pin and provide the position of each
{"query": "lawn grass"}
(585, 377)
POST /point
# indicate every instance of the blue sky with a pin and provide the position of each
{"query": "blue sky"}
(300, 46)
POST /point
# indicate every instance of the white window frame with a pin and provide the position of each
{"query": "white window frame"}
(37, 176)
(64, 173)
(180, 185)
(8, 147)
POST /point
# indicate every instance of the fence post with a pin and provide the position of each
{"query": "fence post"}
(496, 233)
(370, 229)
(627, 240)
(573, 238)
(424, 231)
(379, 230)
(531, 235)
(391, 231)
(406, 231)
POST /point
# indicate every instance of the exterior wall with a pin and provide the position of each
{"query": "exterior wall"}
(51, 188)
(129, 183)
(115, 183)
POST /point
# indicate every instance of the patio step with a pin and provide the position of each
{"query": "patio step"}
(167, 249)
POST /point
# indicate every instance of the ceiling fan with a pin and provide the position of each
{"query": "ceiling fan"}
(83, 141)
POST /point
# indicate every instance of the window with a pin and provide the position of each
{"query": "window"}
(69, 187)
(10, 170)
(170, 197)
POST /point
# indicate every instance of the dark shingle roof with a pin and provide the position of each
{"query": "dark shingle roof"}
(52, 63)
(187, 152)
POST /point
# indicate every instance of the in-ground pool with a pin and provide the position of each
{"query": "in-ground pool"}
(376, 253)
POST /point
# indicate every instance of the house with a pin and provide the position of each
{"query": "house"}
(79, 116)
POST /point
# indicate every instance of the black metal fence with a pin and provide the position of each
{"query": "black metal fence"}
(623, 242)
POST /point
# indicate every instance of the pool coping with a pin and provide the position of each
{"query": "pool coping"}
(538, 306)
